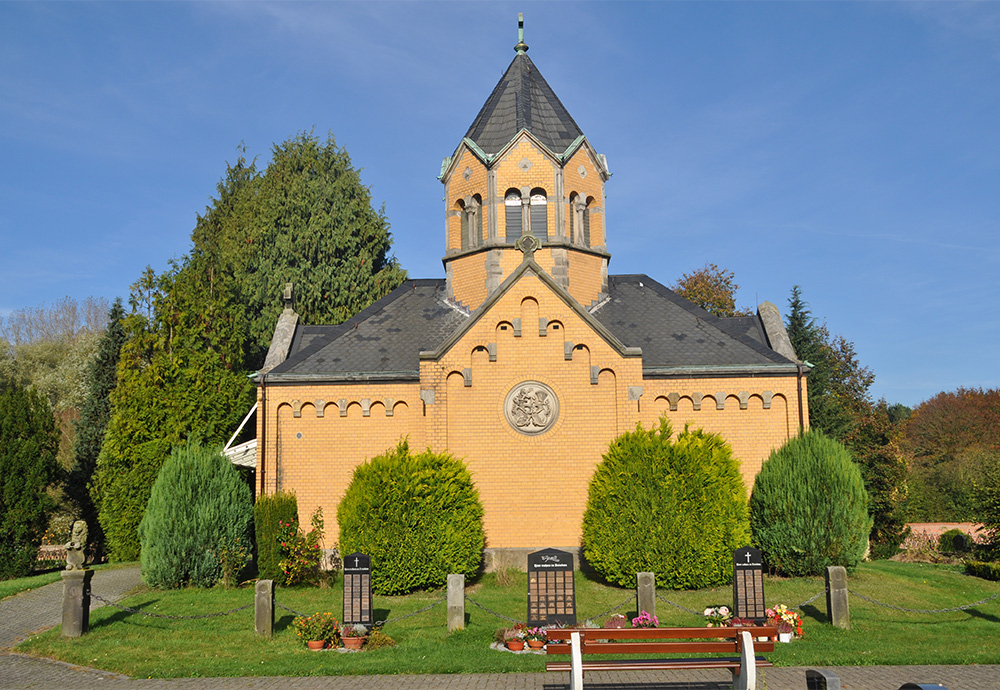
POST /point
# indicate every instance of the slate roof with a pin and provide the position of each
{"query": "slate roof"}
(384, 341)
(673, 332)
(522, 99)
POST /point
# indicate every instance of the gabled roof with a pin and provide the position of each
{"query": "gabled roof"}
(387, 340)
(522, 99)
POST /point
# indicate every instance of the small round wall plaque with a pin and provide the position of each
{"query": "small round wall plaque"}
(531, 407)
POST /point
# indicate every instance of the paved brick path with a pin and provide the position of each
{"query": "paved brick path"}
(42, 608)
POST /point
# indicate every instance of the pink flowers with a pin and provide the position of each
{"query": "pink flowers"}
(644, 620)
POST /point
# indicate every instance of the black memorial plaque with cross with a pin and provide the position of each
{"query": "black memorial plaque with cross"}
(358, 589)
(748, 584)
(551, 594)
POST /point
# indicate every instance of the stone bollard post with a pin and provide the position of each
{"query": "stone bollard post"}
(263, 607)
(456, 602)
(645, 593)
(836, 597)
(821, 679)
(76, 602)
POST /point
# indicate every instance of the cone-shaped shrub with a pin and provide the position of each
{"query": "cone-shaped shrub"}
(197, 521)
(678, 509)
(809, 507)
(417, 516)
(268, 511)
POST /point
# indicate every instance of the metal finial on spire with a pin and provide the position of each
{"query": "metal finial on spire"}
(521, 46)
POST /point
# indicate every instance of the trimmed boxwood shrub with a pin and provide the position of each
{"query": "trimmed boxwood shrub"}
(417, 516)
(269, 510)
(809, 507)
(677, 509)
(196, 528)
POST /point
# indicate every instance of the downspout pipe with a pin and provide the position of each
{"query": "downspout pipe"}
(262, 455)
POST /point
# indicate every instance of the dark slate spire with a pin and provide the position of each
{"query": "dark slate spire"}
(523, 100)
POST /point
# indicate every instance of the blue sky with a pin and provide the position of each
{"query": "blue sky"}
(849, 148)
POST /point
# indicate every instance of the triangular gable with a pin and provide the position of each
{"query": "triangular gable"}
(529, 265)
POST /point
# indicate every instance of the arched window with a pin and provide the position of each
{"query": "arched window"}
(539, 214)
(472, 221)
(512, 204)
(464, 216)
(586, 221)
(477, 222)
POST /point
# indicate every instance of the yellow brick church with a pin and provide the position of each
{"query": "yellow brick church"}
(528, 358)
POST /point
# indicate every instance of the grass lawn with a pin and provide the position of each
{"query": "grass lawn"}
(227, 646)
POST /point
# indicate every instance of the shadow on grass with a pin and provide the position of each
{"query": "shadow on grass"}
(120, 616)
(816, 614)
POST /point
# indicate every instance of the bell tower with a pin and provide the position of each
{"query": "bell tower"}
(524, 167)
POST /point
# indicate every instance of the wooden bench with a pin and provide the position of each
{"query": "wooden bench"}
(739, 642)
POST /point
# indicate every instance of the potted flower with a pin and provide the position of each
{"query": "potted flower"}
(718, 616)
(616, 622)
(644, 620)
(317, 630)
(354, 636)
(787, 621)
(514, 639)
(535, 637)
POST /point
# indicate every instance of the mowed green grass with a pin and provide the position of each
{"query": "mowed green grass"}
(227, 646)
(23, 584)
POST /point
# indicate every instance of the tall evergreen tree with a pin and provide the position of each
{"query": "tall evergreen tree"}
(198, 330)
(838, 384)
(94, 415)
(28, 467)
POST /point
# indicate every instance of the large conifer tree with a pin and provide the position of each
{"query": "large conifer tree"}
(197, 331)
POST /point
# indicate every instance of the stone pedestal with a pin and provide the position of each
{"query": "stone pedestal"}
(76, 602)
(645, 593)
(836, 597)
(456, 602)
(263, 607)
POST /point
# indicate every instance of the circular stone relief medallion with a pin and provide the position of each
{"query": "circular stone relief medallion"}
(531, 407)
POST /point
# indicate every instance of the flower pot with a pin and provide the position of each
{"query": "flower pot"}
(784, 637)
(316, 645)
(515, 645)
(353, 642)
(536, 644)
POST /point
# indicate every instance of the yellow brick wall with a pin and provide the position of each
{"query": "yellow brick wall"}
(519, 477)
(316, 455)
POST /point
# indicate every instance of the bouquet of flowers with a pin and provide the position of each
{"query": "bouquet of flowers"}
(718, 616)
(785, 619)
(319, 626)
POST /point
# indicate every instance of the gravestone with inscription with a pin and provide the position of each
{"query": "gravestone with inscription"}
(748, 584)
(358, 589)
(551, 594)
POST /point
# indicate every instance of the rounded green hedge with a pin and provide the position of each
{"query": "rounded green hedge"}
(196, 528)
(677, 509)
(417, 516)
(809, 507)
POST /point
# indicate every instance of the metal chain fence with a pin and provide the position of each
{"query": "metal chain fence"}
(602, 614)
(491, 611)
(168, 617)
(813, 598)
(676, 605)
(953, 609)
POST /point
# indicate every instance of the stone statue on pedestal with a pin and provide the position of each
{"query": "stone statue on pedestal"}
(77, 546)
